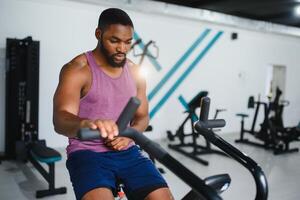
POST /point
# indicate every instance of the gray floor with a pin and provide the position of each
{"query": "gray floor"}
(19, 181)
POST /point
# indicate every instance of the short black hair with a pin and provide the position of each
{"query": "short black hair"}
(113, 16)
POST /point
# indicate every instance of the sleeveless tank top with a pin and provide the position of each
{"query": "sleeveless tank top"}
(105, 100)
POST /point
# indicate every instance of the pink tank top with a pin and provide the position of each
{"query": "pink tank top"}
(105, 100)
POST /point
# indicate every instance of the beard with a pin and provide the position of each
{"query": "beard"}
(111, 58)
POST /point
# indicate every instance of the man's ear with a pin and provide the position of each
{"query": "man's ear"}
(98, 33)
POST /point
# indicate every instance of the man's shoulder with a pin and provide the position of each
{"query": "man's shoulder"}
(79, 61)
(136, 72)
(78, 65)
(131, 65)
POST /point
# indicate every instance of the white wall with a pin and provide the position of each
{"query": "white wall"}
(231, 70)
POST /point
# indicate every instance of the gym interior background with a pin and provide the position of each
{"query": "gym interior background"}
(231, 57)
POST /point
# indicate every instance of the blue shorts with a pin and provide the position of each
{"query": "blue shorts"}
(89, 170)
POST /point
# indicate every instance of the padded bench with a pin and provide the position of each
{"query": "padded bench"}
(40, 153)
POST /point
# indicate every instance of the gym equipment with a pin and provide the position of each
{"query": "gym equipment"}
(21, 122)
(272, 134)
(277, 107)
(276, 119)
(138, 41)
(200, 189)
(253, 104)
(197, 149)
(40, 153)
(145, 50)
(22, 86)
(161, 170)
(203, 127)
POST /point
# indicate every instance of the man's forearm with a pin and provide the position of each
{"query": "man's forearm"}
(140, 124)
(67, 124)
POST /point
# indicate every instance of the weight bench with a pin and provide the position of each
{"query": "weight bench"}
(40, 153)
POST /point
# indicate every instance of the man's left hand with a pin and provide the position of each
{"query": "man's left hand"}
(118, 143)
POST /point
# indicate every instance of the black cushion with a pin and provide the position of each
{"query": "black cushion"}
(44, 153)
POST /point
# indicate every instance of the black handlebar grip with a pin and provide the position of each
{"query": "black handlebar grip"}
(205, 103)
(215, 123)
(128, 113)
(122, 122)
(88, 134)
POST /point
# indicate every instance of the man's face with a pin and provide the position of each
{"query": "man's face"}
(115, 42)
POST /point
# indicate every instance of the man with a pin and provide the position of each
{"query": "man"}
(93, 89)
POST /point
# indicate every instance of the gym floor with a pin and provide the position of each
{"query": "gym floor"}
(19, 181)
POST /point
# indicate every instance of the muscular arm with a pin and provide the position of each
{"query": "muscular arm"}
(66, 99)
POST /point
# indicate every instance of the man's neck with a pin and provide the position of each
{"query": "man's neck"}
(104, 65)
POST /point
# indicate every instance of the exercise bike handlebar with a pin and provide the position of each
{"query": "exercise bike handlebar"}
(259, 176)
(122, 122)
(203, 119)
(198, 185)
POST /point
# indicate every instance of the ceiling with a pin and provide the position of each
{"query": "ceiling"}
(275, 11)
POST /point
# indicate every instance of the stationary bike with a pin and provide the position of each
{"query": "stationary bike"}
(201, 190)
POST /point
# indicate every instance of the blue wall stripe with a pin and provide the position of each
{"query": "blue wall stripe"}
(184, 75)
(152, 60)
(186, 106)
(177, 64)
(183, 102)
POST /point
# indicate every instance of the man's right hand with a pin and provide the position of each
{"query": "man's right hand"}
(107, 128)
